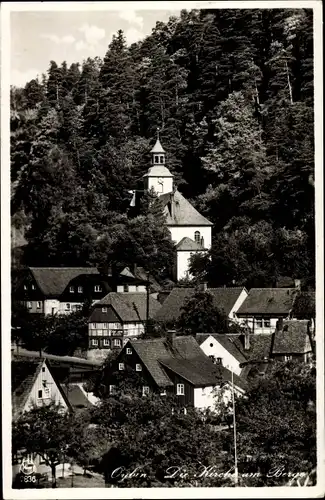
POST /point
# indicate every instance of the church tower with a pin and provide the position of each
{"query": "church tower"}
(158, 177)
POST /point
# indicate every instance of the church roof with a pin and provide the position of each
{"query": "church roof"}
(180, 212)
(187, 244)
(158, 171)
(157, 148)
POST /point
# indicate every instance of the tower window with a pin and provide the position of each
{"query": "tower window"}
(197, 237)
(156, 159)
(161, 159)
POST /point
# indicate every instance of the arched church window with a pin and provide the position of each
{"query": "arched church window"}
(197, 237)
(156, 159)
(161, 159)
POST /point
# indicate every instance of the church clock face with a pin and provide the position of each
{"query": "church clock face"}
(161, 185)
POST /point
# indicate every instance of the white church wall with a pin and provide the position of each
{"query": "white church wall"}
(183, 261)
(161, 185)
(180, 232)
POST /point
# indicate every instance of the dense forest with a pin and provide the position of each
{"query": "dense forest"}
(232, 93)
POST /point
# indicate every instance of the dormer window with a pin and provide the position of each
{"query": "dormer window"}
(80, 289)
(71, 289)
(97, 288)
(33, 287)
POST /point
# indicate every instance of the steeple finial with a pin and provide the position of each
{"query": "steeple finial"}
(158, 130)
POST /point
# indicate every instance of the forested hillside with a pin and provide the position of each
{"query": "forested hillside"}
(232, 92)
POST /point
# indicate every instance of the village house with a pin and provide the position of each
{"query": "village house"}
(117, 317)
(33, 384)
(61, 290)
(222, 349)
(190, 231)
(176, 366)
(227, 300)
(292, 340)
(262, 308)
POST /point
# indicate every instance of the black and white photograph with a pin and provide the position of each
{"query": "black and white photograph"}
(162, 245)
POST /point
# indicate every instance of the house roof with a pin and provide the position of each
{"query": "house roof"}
(180, 212)
(259, 346)
(130, 306)
(184, 357)
(304, 305)
(53, 280)
(141, 274)
(227, 341)
(189, 245)
(293, 339)
(23, 377)
(171, 309)
(76, 397)
(157, 147)
(271, 301)
(158, 171)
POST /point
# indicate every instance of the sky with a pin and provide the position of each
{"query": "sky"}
(39, 37)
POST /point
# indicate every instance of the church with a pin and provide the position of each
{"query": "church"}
(190, 231)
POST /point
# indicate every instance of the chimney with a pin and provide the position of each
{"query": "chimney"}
(203, 286)
(279, 324)
(170, 337)
(247, 341)
(297, 284)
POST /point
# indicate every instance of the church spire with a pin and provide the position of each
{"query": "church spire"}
(158, 152)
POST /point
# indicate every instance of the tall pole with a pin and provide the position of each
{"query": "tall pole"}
(234, 427)
(147, 309)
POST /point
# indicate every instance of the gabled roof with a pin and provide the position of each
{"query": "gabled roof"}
(23, 377)
(76, 397)
(304, 305)
(293, 339)
(53, 280)
(271, 301)
(227, 341)
(141, 274)
(184, 357)
(259, 346)
(130, 306)
(171, 309)
(180, 212)
(188, 245)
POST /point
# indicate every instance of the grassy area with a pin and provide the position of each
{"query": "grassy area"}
(81, 481)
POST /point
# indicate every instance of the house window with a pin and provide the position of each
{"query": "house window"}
(145, 390)
(259, 322)
(219, 361)
(203, 391)
(105, 325)
(94, 342)
(29, 305)
(80, 289)
(185, 411)
(47, 393)
(267, 323)
(68, 307)
(39, 305)
(287, 358)
(163, 393)
(180, 390)
(106, 342)
(121, 366)
(117, 343)
(128, 350)
(33, 287)
(156, 159)
(104, 309)
(197, 237)
(25, 287)
(78, 307)
(112, 389)
(125, 288)
(40, 394)
(71, 289)
(138, 368)
(97, 288)
(43, 369)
